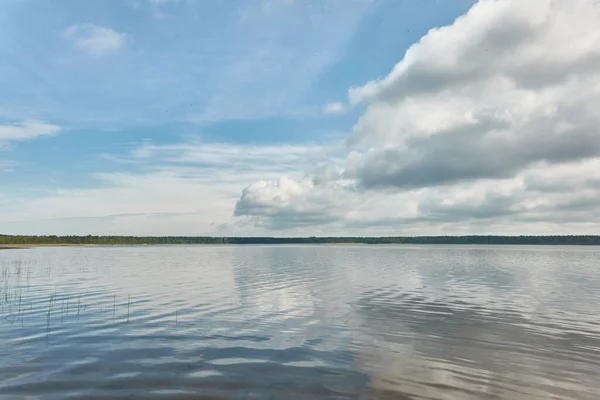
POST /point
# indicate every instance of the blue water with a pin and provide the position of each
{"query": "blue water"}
(300, 322)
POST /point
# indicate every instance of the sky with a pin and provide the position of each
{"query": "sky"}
(299, 117)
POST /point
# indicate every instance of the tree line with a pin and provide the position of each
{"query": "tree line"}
(158, 240)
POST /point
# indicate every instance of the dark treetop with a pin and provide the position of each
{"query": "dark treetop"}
(139, 240)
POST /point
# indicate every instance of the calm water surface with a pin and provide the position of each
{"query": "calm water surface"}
(300, 322)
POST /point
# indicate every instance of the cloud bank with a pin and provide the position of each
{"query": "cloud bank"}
(202, 179)
(491, 121)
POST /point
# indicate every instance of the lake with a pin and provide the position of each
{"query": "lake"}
(300, 322)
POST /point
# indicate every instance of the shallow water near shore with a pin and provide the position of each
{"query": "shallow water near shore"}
(300, 322)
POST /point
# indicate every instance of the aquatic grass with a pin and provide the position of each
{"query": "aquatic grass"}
(52, 297)
(16, 291)
(20, 311)
(62, 311)
(50, 303)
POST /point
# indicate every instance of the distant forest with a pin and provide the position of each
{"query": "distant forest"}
(158, 240)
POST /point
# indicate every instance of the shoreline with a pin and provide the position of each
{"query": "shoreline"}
(32, 245)
(27, 246)
(30, 241)
(43, 245)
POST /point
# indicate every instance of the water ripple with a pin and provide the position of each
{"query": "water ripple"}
(296, 322)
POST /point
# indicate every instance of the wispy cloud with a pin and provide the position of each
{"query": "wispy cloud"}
(160, 2)
(21, 131)
(280, 59)
(158, 6)
(95, 40)
(6, 165)
(231, 156)
(26, 130)
(334, 108)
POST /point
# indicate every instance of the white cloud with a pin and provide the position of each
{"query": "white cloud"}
(334, 108)
(537, 201)
(95, 40)
(184, 188)
(26, 130)
(488, 125)
(509, 84)
(286, 203)
(21, 131)
(273, 158)
(471, 130)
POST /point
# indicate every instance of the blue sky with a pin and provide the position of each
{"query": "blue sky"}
(162, 116)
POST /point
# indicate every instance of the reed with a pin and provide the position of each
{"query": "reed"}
(20, 311)
(50, 301)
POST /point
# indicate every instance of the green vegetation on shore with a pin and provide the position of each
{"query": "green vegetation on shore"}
(8, 240)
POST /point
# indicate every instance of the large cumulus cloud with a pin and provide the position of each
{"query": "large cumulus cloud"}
(494, 117)
(509, 84)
